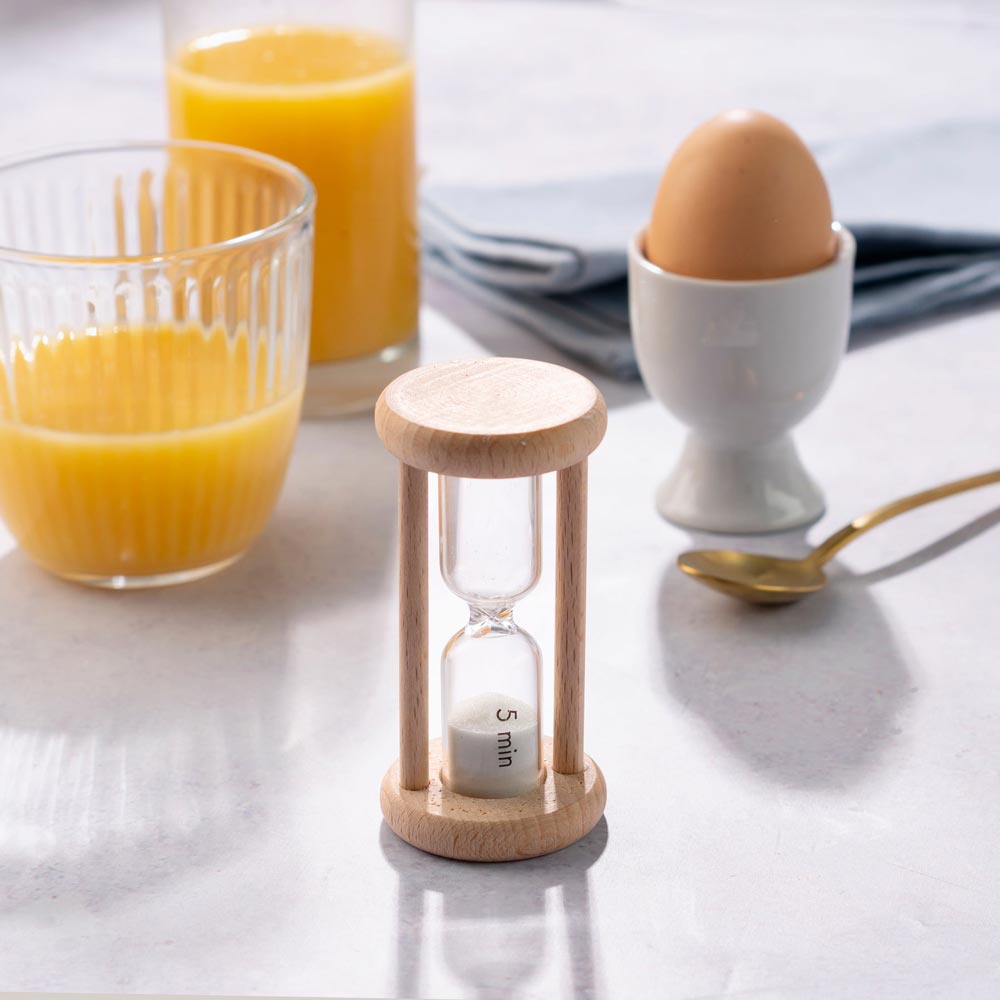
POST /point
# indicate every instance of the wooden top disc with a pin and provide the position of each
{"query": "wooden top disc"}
(491, 418)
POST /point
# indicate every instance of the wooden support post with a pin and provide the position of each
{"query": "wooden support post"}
(413, 693)
(571, 617)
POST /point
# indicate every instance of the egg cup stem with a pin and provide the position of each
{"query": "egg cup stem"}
(756, 488)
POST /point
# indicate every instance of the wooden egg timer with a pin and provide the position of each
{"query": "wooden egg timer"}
(492, 419)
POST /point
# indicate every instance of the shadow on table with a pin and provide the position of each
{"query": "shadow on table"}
(146, 734)
(497, 920)
(806, 695)
(973, 529)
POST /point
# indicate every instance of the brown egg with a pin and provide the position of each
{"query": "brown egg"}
(742, 199)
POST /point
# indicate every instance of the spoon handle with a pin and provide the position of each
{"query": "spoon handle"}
(825, 551)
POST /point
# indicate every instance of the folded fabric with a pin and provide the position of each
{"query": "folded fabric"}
(552, 256)
(554, 237)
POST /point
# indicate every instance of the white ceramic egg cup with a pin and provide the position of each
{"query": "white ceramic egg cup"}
(740, 363)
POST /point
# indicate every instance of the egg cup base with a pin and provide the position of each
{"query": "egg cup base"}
(750, 490)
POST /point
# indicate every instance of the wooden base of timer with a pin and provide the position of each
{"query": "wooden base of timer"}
(565, 808)
(492, 418)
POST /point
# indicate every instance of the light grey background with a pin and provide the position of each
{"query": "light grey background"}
(803, 804)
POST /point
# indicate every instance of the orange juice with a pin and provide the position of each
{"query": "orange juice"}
(141, 452)
(339, 105)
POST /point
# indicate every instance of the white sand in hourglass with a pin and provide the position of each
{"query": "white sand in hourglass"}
(492, 747)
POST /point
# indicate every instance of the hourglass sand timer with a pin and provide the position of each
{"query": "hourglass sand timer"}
(492, 788)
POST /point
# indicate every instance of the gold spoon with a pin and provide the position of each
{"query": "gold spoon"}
(773, 580)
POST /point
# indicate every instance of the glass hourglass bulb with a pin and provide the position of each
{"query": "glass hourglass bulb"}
(491, 668)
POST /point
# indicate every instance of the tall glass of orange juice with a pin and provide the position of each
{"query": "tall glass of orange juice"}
(328, 86)
(154, 332)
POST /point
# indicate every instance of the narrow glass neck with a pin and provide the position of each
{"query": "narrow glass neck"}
(490, 618)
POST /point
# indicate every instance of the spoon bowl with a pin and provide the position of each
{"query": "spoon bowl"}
(754, 578)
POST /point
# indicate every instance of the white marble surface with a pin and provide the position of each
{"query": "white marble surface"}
(803, 804)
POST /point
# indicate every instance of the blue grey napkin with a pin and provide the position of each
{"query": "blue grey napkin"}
(552, 256)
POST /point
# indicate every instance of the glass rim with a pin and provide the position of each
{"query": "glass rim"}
(303, 208)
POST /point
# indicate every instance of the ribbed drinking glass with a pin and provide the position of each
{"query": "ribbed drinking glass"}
(154, 334)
